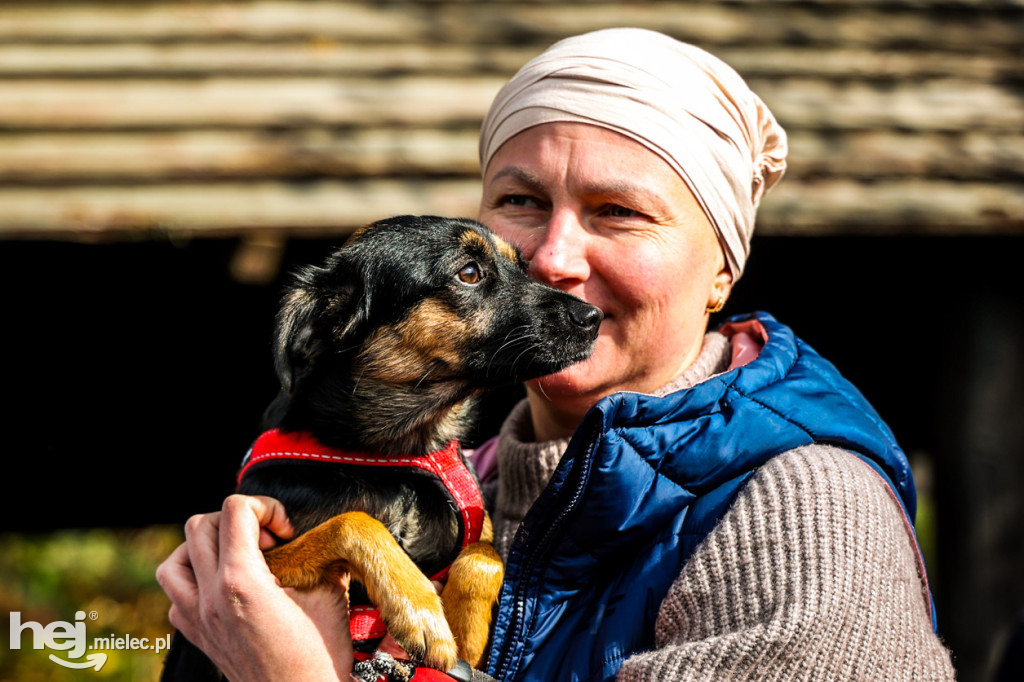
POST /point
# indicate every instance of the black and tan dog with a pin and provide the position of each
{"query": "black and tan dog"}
(382, 349)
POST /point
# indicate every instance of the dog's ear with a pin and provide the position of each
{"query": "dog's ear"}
(294, 339)
(318, 314)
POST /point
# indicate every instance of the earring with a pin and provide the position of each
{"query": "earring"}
(719, 304)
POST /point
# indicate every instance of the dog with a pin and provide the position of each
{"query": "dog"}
(383, 349)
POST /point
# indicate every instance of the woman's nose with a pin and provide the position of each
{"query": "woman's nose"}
(560, 256)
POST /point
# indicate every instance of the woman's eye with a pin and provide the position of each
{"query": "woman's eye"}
(615, 211)
(519, 200)
(470, 274)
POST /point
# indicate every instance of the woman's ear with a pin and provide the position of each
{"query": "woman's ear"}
(721, 287)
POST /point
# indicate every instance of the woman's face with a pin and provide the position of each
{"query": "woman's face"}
(602, 217)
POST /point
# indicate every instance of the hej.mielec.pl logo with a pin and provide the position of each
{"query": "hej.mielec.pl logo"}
(71, 638)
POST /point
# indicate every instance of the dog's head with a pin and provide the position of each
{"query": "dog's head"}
(425, 306)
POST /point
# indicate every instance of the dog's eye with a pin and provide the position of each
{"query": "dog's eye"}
(470, 274)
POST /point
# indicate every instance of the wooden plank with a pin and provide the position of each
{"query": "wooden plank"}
(187, 209)
(249, 101)
(61, 157)
(312, 55)
(896, 65)
(768, 23)
(333, 207)
(221, 20)
(52, 157)
(490, 23)
(929, 105)
(880, 155)
(301, 101)
(916, 4)
(901, 207)
(335, 58)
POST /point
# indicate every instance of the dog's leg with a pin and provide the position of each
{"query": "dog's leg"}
(471, 595)
(406, 599)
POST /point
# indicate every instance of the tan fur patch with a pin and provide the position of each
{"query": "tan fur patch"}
(297, 302)
(474, 239)
(361, 544)
(503, 248)
(506, 249)
(428, 340)
(297, 298)
(470, 597)
(358, 233)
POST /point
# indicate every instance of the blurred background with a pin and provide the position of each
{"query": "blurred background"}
(163, 165)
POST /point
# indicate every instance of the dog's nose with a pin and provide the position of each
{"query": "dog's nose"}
(585, 316)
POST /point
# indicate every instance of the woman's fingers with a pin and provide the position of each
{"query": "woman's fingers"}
(226, 601)
(178, 580)
(193, 575)
(249, 524)
(201, 543)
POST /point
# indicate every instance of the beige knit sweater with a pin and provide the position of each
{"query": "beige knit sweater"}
(811, 575)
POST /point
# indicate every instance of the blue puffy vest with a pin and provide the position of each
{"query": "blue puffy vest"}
(642, 483)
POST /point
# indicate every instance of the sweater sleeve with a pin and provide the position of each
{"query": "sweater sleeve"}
(811, 575)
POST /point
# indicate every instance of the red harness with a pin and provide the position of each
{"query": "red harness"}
(445, 465)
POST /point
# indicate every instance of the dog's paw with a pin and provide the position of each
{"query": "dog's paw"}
(420, 628)
(471, 597)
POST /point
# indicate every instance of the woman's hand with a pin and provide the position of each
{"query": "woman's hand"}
(226, 601)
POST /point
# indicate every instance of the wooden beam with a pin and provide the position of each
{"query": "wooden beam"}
(335, 207)
(750, 23)
(333, 57)
(896, 207)
(63, 156)
(880, 155)
(55, 157)
(943, 105)
(306, 208)
(311, 55)
(243, 101)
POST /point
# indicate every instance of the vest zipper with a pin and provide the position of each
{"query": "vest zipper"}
(517, 622)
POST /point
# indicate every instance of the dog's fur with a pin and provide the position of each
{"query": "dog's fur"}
(382, 349)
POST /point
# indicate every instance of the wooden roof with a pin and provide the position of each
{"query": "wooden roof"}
(137, 119)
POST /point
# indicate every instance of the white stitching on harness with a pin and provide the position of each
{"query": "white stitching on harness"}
(434, 467)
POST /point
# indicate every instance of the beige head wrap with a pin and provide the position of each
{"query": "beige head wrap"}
(687, 106)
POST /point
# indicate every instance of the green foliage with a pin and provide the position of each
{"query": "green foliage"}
(108, 574)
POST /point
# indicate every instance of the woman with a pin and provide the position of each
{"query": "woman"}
(684, 504)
